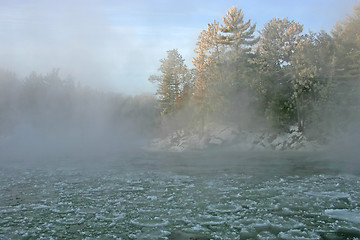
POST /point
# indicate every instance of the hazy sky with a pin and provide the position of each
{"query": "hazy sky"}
(116, 44)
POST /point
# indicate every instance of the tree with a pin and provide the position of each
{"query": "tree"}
(46, 96)
(208, 59)
(172, 81)
(9, 86)
(238, 36)
(277, 44)
(304, 82)
(221, 63)
(207, 72)
(347, 40)
(313, 76)
(345, 88)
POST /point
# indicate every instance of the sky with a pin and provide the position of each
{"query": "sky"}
(115, 45)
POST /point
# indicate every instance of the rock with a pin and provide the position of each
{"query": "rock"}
(240, 140)
(215, 141)
(227, 134)
(271, 138)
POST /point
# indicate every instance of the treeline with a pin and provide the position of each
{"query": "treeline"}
(53, 105)
(276, 78)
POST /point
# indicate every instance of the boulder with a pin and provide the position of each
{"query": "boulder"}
(230, 135)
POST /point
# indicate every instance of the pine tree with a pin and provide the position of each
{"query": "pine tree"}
(207, 71)
(277, 44)
(305, 84)
(174, 77)
(345, 93)
(238, 38)
(222, 60)
(312, 81)
(208, 58)
(347, 39)
(236, 33)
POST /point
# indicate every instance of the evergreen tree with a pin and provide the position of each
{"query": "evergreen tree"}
(222, 62)
(295, 75)
(346, 85)
(305, 84)
(277, 44)
(347, 39)
(238, 36)
(207, 72)
(174, 77)
(208, 60)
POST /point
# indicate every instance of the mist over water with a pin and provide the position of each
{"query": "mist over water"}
(93, 179)
(47, 119)
(75, 160)
(181, 196)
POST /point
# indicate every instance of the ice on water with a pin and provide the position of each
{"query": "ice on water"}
(153, 205)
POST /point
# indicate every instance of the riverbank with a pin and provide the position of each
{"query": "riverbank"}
(235, 138)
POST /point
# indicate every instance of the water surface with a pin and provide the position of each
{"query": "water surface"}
(217, 195)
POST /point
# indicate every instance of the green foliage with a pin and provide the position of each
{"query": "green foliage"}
(274, 81)
(347, 42)
(287, 76)
(172, 81)
(279, 110)
(221, 64)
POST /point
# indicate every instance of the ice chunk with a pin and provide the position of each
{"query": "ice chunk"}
(149, 222)
(344, 214)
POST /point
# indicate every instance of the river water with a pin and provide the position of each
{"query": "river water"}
(203, 195)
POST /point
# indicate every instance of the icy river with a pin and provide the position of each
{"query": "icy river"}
(213, 195)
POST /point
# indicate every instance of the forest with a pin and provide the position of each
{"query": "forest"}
(46, 116)
(273, 79)
(270, 79)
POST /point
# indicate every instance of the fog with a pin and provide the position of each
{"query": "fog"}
(45, 118)
(344, 128)
(72, 38)
(97, 46)
(140, 120)
(79, 111)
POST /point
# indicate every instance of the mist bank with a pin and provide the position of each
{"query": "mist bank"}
(281, 89)
(47, 117)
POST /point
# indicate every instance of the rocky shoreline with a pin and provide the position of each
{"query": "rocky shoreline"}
(236, 139)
